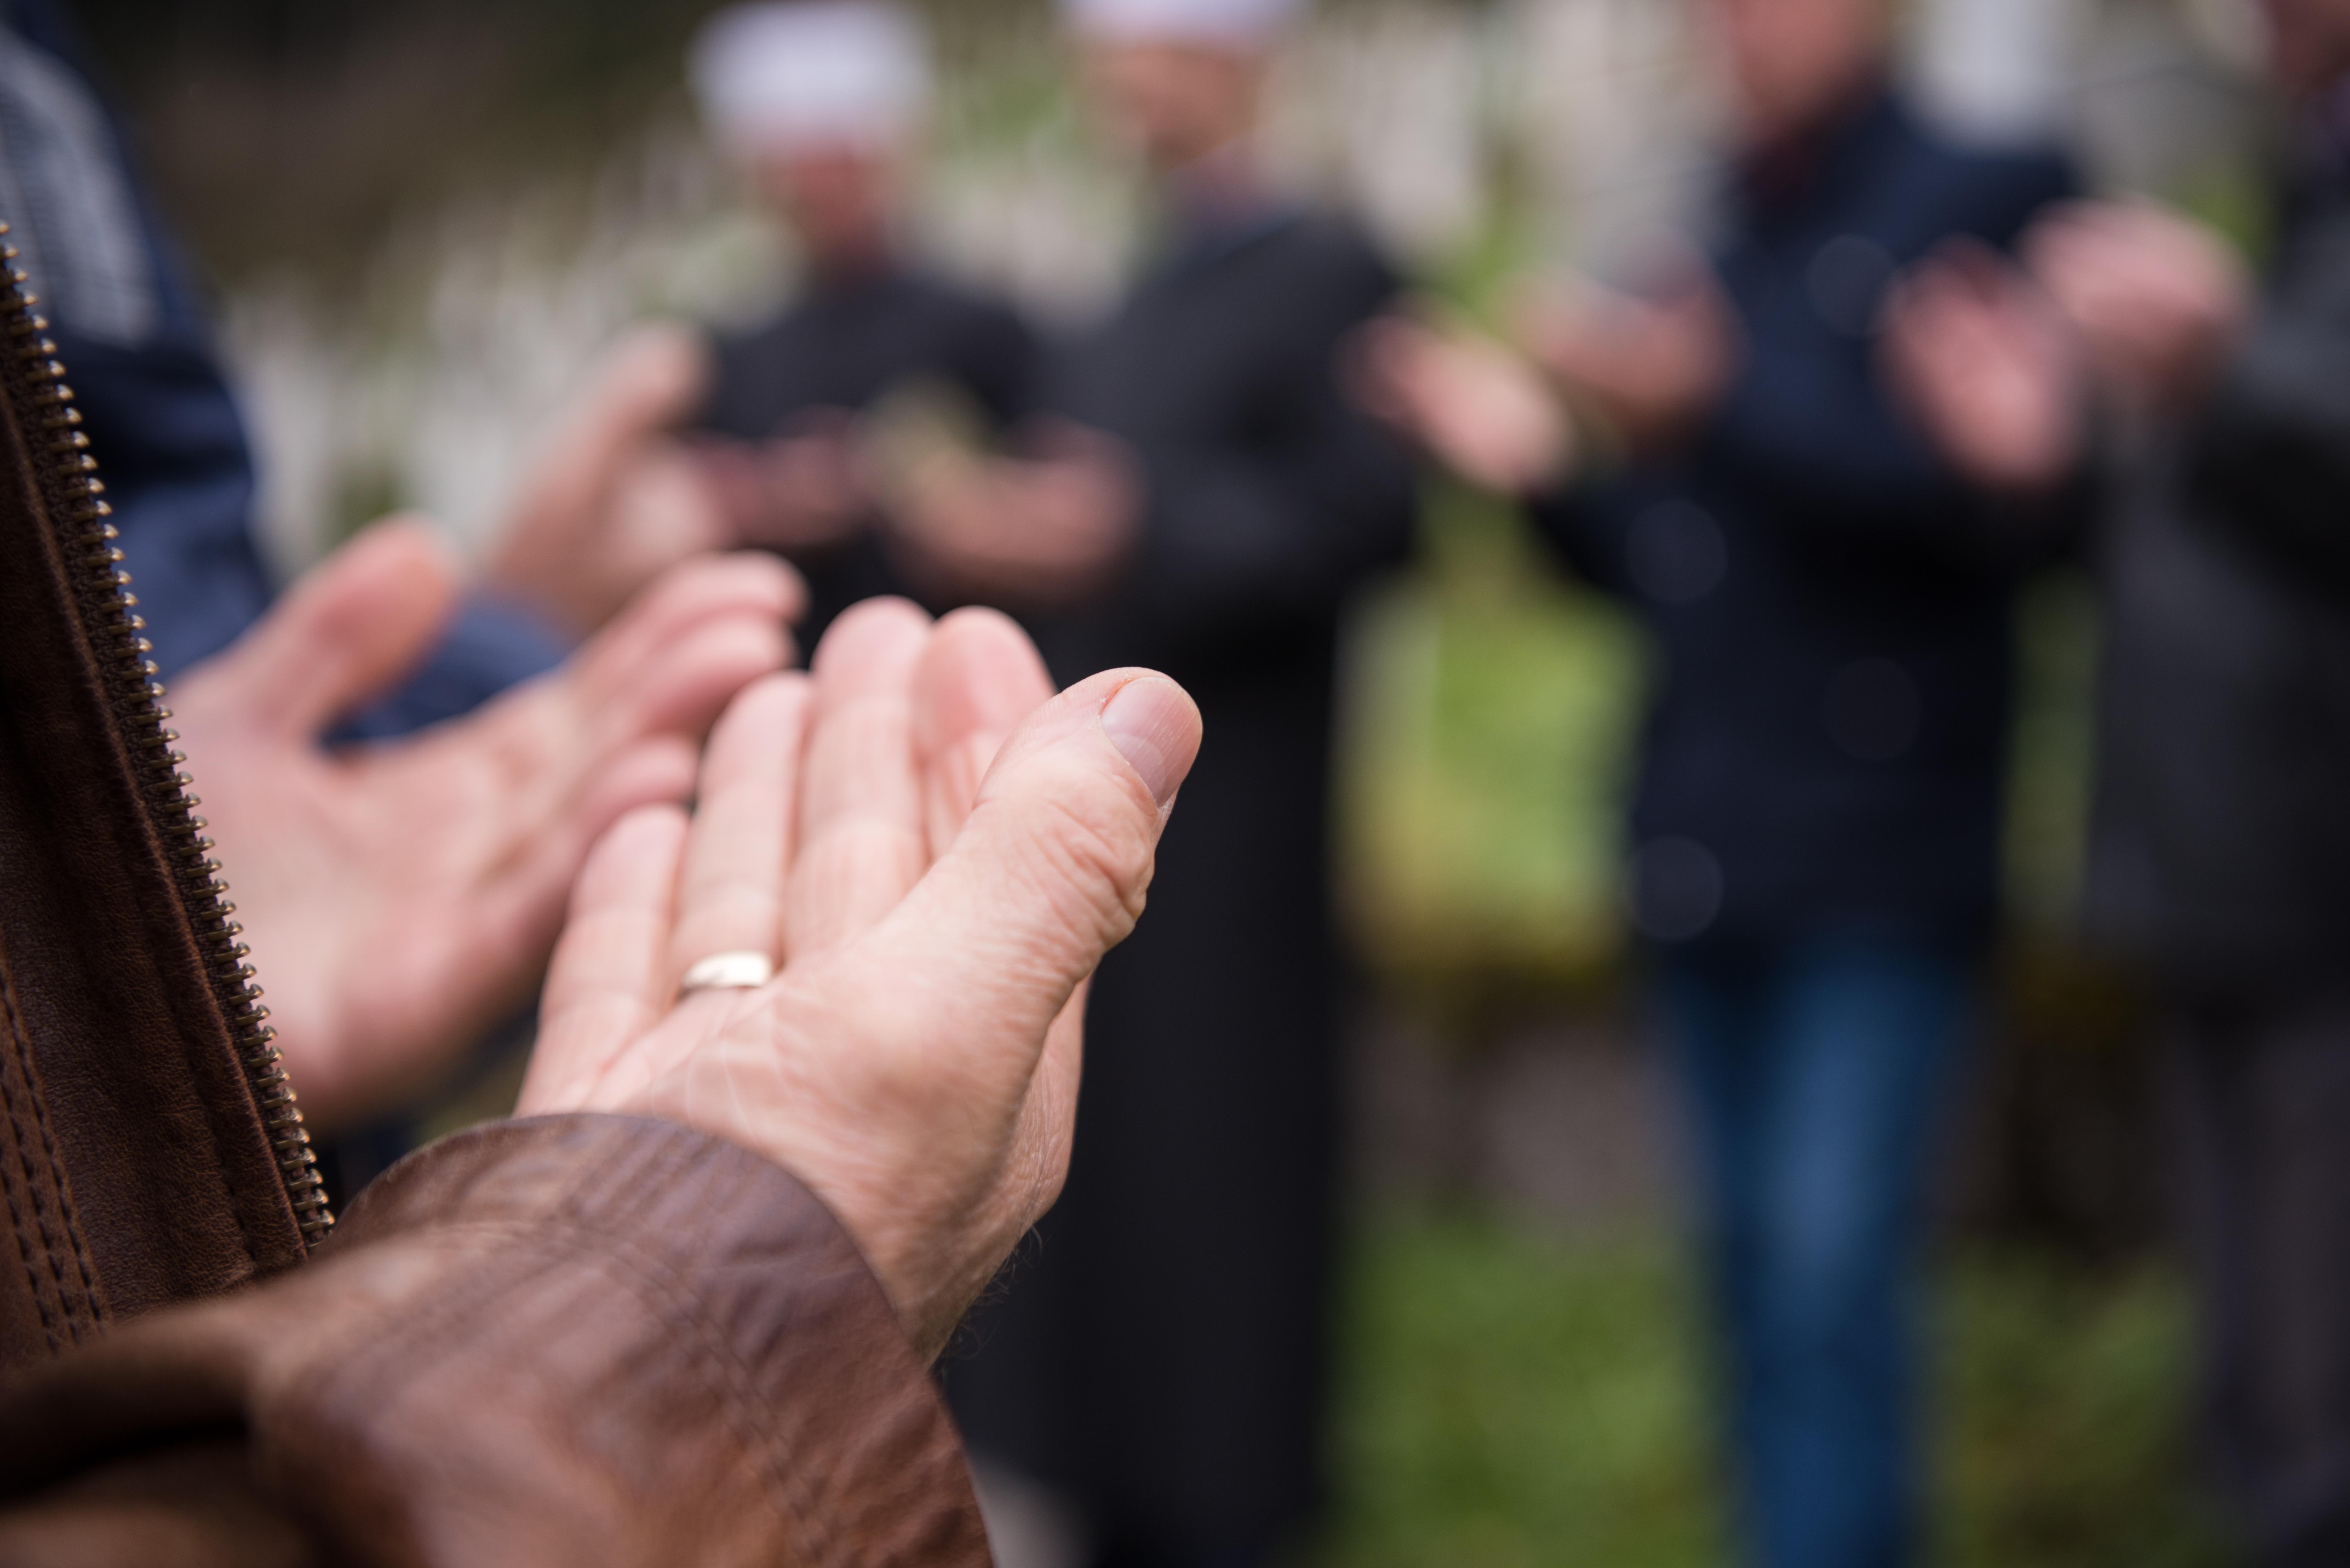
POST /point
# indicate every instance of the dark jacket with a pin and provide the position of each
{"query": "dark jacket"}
(2222, 843)
(1830, 604)
(1182, 1401)
(155, 404)
(844, 346)
(576, 1340)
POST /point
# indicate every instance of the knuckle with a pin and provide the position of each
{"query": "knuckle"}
(1096, 855)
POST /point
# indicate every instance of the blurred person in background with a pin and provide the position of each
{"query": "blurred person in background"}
(2222, 851)
(1830, 587)
(819, 103)
(1208, 506)
(441, 858)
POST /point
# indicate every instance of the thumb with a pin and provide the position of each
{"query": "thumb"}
(347, 630)
(1050, 870)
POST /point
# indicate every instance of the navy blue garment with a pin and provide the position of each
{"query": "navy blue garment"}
(170, 444)
(1831, 607)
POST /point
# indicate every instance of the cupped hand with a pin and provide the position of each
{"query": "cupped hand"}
(402, 897)
(936, 852)
(1652, 366)
(1044, 529)
(2157, 299)
(1988, 370)
(799, 491)
(1470, 403)
(614, 498)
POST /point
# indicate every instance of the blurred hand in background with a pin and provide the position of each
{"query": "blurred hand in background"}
(799, 491)
(1042, 529)
(936, 851)
(1989, 369)
(400, 898)
(1649, 367)
(615, 499)
(1469, 402)
(2157, 299)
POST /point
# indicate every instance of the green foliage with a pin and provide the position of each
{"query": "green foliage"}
(1488, 737)
(1513, 1401)
(2066, 1412)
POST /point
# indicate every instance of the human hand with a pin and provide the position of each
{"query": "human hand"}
(1040, 530)
(1652, 366)
(2157, 300)
(939, 851)
(799, 491)
(1987, 369)
(1472, 405)
(614, 499)
(400, 898)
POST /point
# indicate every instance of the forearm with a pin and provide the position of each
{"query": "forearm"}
(579, 1340)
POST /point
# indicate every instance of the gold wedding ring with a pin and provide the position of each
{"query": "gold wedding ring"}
(728, 971)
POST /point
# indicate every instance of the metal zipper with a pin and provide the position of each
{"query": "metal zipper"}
(67, 478)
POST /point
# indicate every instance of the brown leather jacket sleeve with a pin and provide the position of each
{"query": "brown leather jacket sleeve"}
(581, 1339)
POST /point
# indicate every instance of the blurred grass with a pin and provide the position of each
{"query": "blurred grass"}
(1511, 1400)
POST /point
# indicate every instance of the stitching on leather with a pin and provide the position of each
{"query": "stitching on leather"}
(24, 1256)
(67, 1220)
(21, 1049)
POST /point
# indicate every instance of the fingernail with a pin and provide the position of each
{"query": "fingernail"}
(1149, 721)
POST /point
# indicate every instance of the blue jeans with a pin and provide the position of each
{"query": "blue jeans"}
(1814, 1070)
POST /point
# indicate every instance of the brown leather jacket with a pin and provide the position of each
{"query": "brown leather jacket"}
(579, 1340)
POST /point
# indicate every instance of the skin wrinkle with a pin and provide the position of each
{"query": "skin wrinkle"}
(765, 1064)
(1097, 859)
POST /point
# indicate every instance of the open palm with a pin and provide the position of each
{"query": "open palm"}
(937, 852)
(400, 896)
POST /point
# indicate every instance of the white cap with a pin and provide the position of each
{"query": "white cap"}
(1224, 24)
(800, 71)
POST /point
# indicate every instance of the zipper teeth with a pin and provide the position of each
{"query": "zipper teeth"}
(68, 479)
